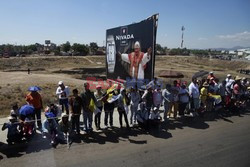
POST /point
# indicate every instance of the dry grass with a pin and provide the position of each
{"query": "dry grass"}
(47, 71)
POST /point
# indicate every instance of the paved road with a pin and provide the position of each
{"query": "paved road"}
(213, 142)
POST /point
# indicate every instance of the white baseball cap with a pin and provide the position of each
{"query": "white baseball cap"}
(60, 82)
(228, 75)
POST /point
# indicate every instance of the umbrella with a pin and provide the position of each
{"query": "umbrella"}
(200, 74)
(34, 88)
(171, 74)
(26, 110)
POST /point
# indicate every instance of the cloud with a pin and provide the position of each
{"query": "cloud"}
(242, 36)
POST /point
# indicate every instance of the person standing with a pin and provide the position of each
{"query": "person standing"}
(175, 91)
(157, 97)
(99, 104)
(63, 93)
(76, 104)
(35, 99)
(204, 95)
(168, 101)
(148, 96)
(109, 106)
(135, 99)
(89, 102)
(222, 91)
(194, 94)
(122, 107)
(184, 99)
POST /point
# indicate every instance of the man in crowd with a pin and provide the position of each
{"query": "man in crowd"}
(76, 104)
(148, 96)
(109, 106)
(35, 99)
(99, 104)
(194, 94)
(168, 101)
(175, 91)
(135, 99)
(63, 93)
(183, 99)
(89, 101)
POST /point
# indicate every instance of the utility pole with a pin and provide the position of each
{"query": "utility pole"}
(182, 29)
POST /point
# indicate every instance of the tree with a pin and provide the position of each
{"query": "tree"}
(66, 47)
(160, 50)
(32, 47)
(93, 47)
(80, 49)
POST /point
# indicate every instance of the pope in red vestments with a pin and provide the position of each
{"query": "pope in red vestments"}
(137, 61)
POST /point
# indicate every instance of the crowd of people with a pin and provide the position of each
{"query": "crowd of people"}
(144, 105)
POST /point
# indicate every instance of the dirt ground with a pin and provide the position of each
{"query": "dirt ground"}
(47, 71)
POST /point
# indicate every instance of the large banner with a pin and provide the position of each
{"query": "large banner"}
(130, 50)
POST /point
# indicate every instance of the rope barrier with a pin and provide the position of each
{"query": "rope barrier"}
(29, 121)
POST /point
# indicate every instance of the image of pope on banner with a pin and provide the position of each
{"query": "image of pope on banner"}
(137, 61)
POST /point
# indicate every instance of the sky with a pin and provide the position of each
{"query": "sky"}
(208, 23)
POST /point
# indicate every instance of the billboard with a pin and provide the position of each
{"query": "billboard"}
(47, 42)
(130, 50)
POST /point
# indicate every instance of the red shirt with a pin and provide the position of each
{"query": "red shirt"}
(34, 99)
(236, 89)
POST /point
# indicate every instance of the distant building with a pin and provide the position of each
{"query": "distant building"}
(232, 52)
(240, 53)
(248, 57)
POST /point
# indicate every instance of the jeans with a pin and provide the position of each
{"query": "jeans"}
(87, 119)
(98, 118)
(65, 104)
(76, 123)
(38, 117)
(133, 109)
(110, 115)
(176, 108)
(123, 112)
(167, 109)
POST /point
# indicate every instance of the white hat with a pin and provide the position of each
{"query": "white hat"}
(155, 109)
(60, 82)
(137, 45)
(228, 75)
(211, 72)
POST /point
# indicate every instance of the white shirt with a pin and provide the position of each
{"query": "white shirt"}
(194, 90)
(62, 94)
(145, 59)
